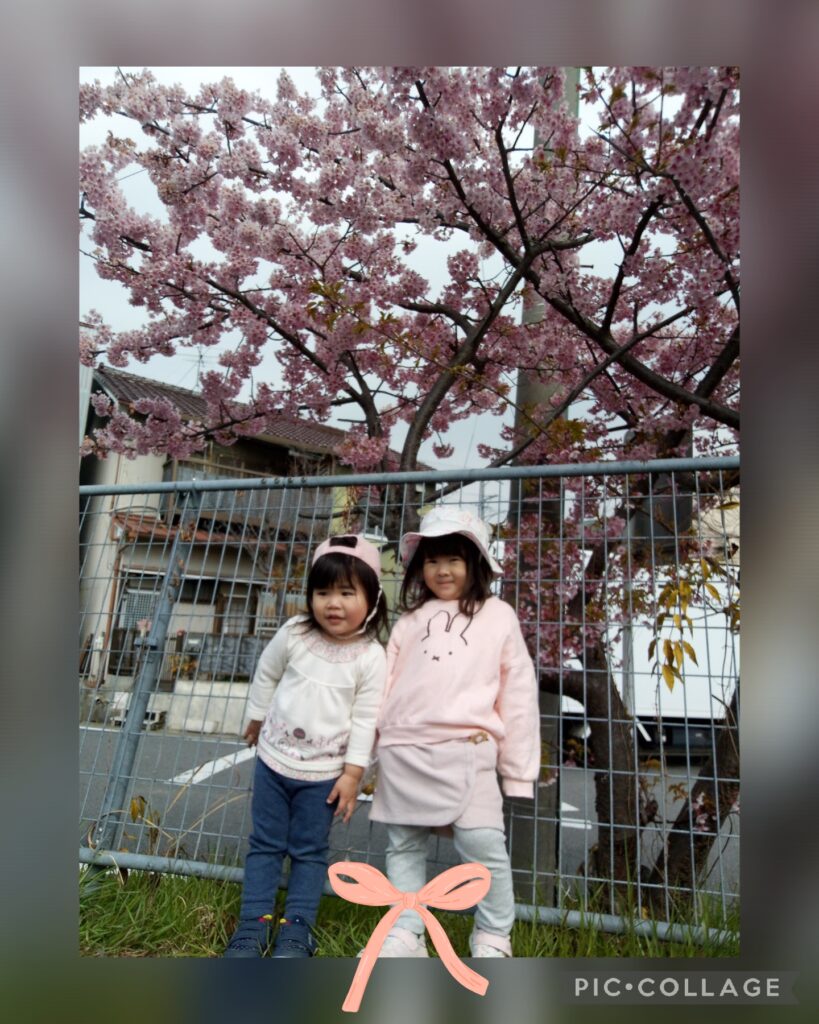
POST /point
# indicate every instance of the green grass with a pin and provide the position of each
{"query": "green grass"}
(151, 915)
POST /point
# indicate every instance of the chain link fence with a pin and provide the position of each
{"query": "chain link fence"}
(625, 577)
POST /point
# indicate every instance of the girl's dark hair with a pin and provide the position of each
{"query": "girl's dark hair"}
(337, 570)
(414, 592)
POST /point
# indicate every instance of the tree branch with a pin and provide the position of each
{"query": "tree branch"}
(643, 223)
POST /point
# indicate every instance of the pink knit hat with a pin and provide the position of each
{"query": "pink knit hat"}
(352, 544)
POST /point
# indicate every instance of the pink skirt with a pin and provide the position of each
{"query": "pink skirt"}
(450, 783)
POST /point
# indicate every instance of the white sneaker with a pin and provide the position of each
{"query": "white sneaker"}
(478, 947)
(481, 949)
(403, 942)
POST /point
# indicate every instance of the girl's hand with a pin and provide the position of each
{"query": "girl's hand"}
(346, 791)
(251, 733)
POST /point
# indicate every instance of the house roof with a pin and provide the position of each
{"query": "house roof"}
(139, 526)
(128, 387)
(284, 430)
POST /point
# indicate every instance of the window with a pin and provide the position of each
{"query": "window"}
(235, 611)
(137, 605)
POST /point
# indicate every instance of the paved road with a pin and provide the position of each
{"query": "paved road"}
(196, 791)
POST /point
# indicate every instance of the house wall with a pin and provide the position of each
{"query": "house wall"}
(192, 617)
(100, 550)
(391, 576)
(721, 525)
(109, 556)
(225, 563)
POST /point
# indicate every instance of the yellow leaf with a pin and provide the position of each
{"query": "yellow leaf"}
(689, 650)
(669, 651)
(712, 590)
(706, 569)
(668, 676)
(678, 622)
(651, 648)
(728, 504)
(137, 807)
(678, 655)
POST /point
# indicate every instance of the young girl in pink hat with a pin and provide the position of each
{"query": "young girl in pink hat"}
(460, 708)
(312, 709)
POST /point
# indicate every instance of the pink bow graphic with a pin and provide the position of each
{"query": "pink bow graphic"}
(454, 889)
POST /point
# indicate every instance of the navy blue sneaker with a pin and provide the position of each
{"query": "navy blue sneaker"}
(295, 939)
(251, 939)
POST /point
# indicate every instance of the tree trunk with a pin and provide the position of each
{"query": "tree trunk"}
(614, 856)
(697, 825)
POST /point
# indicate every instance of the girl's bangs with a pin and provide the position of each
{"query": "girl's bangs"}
(334, 570)
(448, 544)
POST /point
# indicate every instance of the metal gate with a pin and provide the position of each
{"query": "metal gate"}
(625, 578)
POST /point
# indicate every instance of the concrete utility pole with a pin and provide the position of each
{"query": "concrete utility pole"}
(531, 389)
(534, 834)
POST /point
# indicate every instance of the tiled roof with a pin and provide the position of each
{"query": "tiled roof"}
(128, 387)
(294, 433)
(141, 526)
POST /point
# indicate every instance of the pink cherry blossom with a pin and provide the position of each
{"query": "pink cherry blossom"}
(292, 225)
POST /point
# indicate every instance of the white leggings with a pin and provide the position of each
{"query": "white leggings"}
(407, 870)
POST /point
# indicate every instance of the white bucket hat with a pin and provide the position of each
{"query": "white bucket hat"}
(448, 519)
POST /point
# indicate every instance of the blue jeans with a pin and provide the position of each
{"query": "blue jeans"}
(290, 816)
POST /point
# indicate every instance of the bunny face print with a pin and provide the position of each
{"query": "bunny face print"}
(444, 638)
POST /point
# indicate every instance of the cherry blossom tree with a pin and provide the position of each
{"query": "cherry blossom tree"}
(293, 225)
(288, 224)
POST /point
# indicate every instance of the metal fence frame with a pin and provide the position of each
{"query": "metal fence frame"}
(121, 808)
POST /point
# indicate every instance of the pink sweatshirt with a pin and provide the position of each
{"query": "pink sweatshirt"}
(449, 676)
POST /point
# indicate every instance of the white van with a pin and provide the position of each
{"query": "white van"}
(683, 717)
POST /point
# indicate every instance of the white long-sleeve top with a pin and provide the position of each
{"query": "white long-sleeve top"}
(449, 676)
(318, 701)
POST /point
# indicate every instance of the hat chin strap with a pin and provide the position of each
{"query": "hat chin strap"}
(370, 615)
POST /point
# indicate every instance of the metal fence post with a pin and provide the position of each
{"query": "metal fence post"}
(150, 662)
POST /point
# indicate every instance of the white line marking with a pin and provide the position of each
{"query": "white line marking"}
(220, 764)
(205, 771)
(568, 823)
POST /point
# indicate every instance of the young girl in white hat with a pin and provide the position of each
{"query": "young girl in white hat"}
(460, 707)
